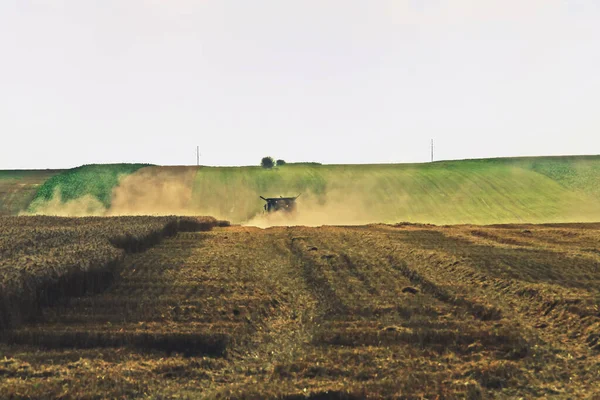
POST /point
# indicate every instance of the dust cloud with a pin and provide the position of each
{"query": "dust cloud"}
(155, 191)
(85, 206)
(169, 191)
(334, 207)
(149, 191)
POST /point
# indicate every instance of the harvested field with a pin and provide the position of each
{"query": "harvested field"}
(44, 259)
(406, 311)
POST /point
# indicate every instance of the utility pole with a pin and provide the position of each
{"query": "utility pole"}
(197, 156)
(431, 150)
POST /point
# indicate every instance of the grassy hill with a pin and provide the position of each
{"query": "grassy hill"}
(469, 191)
(536, 189)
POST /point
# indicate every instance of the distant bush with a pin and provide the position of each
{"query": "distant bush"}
(267, 162)
(280, 163)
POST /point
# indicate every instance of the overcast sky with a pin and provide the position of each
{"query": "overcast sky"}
(333, 81)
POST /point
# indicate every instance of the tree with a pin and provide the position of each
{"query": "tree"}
(280, 163)
(267, 162)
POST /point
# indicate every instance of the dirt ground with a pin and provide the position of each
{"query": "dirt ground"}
(378, 311)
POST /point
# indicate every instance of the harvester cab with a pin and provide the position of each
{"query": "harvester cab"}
(285, 204)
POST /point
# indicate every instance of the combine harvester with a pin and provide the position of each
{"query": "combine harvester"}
(284, 204)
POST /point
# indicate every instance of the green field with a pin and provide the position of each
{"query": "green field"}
(537, 189)
(470, 191)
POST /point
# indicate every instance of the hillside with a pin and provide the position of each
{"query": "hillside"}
(18, 188)
(477, 191)
(537, 189)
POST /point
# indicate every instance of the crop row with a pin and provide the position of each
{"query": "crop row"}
(44, 259)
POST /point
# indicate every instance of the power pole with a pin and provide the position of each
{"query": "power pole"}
(431, 150)
(197, 156)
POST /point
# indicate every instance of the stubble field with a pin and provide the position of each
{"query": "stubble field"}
(403, 311)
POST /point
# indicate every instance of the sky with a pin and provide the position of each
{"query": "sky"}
(330, 81)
